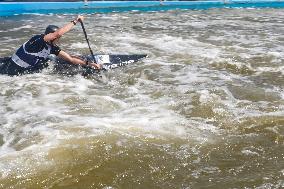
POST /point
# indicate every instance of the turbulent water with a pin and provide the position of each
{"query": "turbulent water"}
(204, 110)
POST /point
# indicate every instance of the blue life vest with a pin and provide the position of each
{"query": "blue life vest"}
(33, 52)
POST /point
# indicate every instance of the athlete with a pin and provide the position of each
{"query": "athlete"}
(32, 56)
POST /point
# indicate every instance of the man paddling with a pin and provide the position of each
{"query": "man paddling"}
(32, 56)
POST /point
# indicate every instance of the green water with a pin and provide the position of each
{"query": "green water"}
(204, 110)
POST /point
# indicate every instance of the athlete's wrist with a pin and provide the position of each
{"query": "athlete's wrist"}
(74, 22)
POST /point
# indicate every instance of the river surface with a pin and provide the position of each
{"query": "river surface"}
(204, 110)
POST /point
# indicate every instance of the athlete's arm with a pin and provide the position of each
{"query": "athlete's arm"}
(76, 60)
(61, 31)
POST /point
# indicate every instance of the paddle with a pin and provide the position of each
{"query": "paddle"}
(86, 37)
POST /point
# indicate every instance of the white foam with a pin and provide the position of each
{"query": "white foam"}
(171, 45)
(153, 99)
(262, 69)
(250, 153)
(22, 27)
(79, 45)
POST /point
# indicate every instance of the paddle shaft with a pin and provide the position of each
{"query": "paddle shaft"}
(86, 37)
